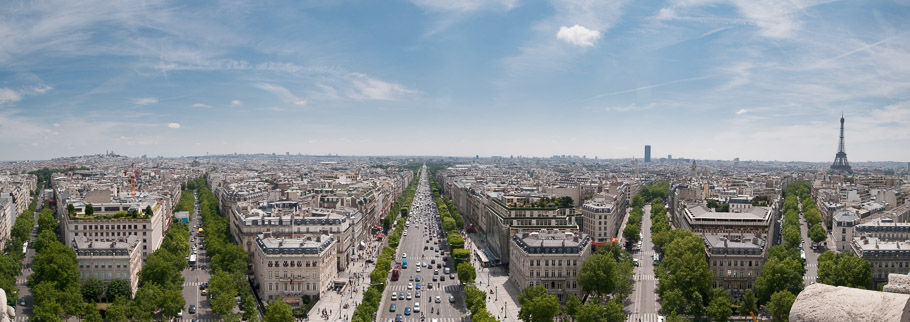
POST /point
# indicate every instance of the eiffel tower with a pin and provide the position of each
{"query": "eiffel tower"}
(840, 160)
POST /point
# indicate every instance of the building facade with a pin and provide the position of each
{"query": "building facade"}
(292, 268)
(549, 258)
(109, 258)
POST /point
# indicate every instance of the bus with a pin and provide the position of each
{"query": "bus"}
(395, 274)
(193, 260)
(24, 247)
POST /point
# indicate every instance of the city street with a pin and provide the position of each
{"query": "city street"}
(504, 295)
(423, 248)
(194, 276)
(23, 312)
(811, 254)
(642, 305)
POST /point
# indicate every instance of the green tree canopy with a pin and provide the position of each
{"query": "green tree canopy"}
(537, 305)
(818, 234)
(844, 269)
(720, 307)
(92, 289)
(466, 272)
(118, 288)
(598, 275)
(780, 304)
(278, 311)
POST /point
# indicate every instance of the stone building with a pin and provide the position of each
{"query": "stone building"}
(109, 258)
(290, 268)
(550, 259)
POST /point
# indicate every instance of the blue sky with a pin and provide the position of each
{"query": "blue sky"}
(758, 80)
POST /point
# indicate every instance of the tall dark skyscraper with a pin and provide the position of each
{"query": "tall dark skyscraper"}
(840, 159)
(647, 153)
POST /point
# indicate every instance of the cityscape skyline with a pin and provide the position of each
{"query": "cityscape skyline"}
(699, 80)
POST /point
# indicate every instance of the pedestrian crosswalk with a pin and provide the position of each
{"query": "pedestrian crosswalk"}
(416, 318)
(646, 317)
(645, 277)
(812, 265)
(423, 288)
(21, 280)
(186, 284)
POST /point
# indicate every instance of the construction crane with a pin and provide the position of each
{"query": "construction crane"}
(132, 173)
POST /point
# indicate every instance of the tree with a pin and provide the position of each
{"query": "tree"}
(475, 299)
(696, 305)
(278, 311)
(590, 312)
(92, 289)
(482, 315)
(572, 305)
(672, 302)
(448, 224)
(624, 283)
(171, 301)
(466, 272)
(777, 275)
(46, 220)
(89, 210)
(249, 305)
(120, 311)
(70, 210)
(614, 311)
(792, 237)
(749, 303)
(223, 288)
(780, 304)
(631, 233)
(844, 269)
(598, 274)
(818, 234)
(537, 305)
(90, 313)
(719, 308)
(118, 288)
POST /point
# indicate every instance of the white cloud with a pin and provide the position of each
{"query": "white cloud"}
(630, 107)
(145, 101)
(364, 87)
(8, 96)
(174, 125)
(282, 92)
(42, 89)
(235, 103)
(578, 35)
(742, 111)
(56, 124)
(201, 105)
(464, 5)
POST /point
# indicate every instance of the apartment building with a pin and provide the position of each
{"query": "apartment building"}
(288, 219)
(549, 258)
(109, 258)
(735, 260)
(843, 227)
(290, 268)
(114, 220)
(515, 211)
(886, 257)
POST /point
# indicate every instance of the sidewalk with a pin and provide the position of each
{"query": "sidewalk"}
(358, 275)
(503, 302)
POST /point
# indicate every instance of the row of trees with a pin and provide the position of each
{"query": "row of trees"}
(660, 223)
(366, 310)
(11, 258)
(632, 232)
(187, 203)
(55, 276)
(228, 260)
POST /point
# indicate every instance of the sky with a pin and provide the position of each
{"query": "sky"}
(703, 79)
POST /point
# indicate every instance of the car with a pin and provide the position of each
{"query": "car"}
(432, 247)
(404, 255)
(407, 310)
(442, 278)
(394, 296)
(430, 286)
(21, 302)
(392, 307)
(417, 295)
(401, 296)
(452, 276)
(435, 278)
(448, 270)
(438, 265)
(411, 278)
(205, 292)
(418, 269)
(433, 261)
(424, 247)
(451, 299)
(398, 318)
(405, 232)
(416, 306)
(408, 297)
(411, 285)
(180, 314)
(370, 261)
(437, 299)
(417, 278)
(192, 309)
(418, 286)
